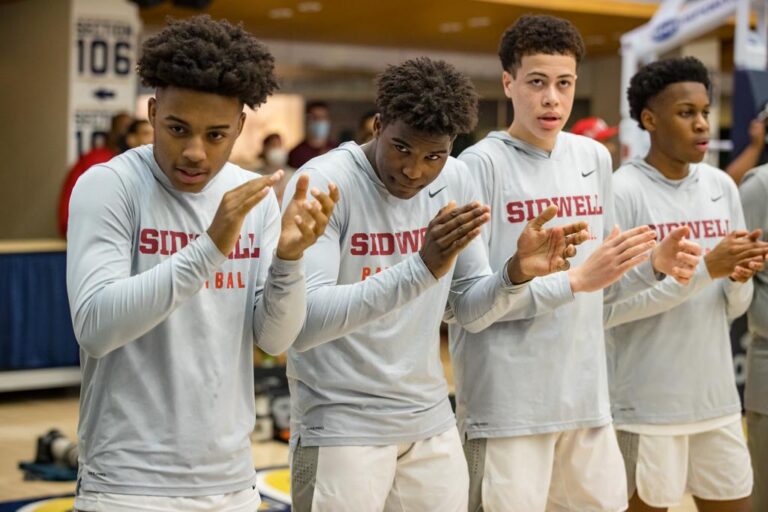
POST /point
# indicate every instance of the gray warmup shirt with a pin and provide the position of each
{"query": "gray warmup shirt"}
(669, 348)
(542, 368)
(754, 198)
(366, 368)
(166, 326)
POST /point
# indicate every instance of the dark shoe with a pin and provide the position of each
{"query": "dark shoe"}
(44, 453)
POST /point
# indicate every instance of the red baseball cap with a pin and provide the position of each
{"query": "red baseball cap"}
(594, 128)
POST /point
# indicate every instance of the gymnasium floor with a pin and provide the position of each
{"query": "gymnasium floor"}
(24, 416)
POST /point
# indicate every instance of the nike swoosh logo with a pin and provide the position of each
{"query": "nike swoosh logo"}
(714, 199)
(585, 174)
(433, 194)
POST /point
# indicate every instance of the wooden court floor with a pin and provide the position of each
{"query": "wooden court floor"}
(24, 416)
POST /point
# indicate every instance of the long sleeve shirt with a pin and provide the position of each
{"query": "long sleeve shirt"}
(366, 368)
(669, 348)
(542, 367)
(166, 325)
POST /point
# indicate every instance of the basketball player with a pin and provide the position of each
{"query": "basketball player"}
(177, 263)
(754, 191)
(673, 391)
(372, 427)
(532, 391)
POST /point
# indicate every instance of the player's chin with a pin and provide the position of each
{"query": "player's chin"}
(401, 192)
(696, 156)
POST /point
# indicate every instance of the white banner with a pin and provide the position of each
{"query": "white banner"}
(105, 35)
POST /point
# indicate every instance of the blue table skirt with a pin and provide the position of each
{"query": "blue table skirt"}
(35, 325)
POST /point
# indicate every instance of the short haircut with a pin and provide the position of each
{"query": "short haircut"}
(116, 122)
(312, 105)
(133, 128)
(656, 76)
(534, 34)
(209, 56)
(365, 117)
(269, 138)
(429, 96)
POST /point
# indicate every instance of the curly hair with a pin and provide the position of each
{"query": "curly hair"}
(430, 96)
(209, 56)
(656, 76)
(532, 34)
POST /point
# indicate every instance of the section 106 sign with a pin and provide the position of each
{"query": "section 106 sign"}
(102, 74)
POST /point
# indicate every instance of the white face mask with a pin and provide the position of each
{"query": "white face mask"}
(276, 157)
(319, 129)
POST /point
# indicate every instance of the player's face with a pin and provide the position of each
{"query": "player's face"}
(678, 120)
(406, 160)
(542, 97)
(194, 134)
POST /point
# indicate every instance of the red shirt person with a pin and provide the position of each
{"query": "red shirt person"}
(118, 127)
(318, 139)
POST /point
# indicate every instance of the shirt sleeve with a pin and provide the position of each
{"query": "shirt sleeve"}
(281, 298)
(335, 310)
(542, 295)
(620, 209)
(478, 298)
(738, 296)
(656, 300)
(109, 306)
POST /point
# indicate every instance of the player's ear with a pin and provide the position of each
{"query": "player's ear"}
(241, 122)
(377, 126)
(648, 120)
(506, 81)
(152, 111)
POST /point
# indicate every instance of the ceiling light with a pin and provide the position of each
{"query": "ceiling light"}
(594, 40)
(479, 22)
(451, 26)
(281, 13)
(310, 7)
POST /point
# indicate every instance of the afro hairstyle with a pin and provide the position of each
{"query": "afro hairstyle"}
(429, 96)
(210, 56)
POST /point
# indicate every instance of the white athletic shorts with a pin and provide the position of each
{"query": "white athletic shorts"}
(577, 470)
(414, 477)
(711, 465)
(241, 501)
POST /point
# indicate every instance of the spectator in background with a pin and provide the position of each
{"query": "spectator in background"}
(750, 155)
(139, 133)
(597, 129)
(318, 135)
(118, 127)
(273, 158)
(365, 128)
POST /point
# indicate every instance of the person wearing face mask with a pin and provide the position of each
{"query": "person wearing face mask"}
(318, 135)
(273, 158)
